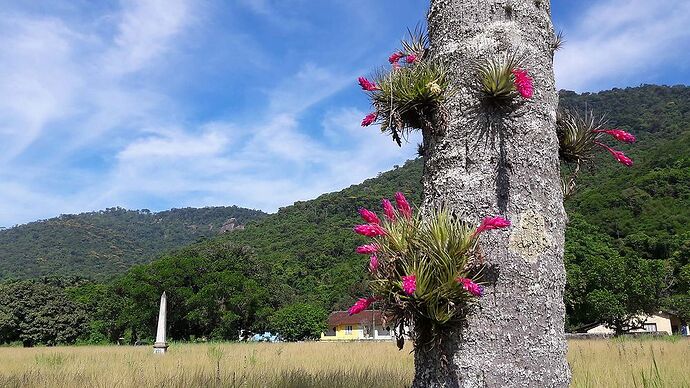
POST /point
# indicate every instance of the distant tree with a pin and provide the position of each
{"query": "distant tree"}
(603, 286)
(299, 321)
(38, 313)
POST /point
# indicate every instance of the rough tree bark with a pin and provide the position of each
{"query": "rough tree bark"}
(491, 162)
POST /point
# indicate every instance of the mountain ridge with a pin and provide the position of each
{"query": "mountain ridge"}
(103, 243)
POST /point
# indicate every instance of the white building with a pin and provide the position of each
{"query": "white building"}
(661, 322)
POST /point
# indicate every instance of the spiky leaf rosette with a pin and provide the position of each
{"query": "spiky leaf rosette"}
(411, 97)
(417, 43)
(426, 269)
(497, 79)
(577, 135)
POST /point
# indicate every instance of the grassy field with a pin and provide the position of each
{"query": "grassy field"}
(595, 363)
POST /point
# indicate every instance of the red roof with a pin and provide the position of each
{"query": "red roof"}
(344, 318)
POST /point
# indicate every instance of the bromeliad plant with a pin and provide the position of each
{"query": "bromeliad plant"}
(579, 138)
(503, 79)
(425, 272)
(409, 96)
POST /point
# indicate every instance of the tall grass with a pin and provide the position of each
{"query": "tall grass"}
(595, 363)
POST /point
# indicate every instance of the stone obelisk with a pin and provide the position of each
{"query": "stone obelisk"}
(161, 346)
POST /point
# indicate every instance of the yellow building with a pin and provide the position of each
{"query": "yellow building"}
(367, 325)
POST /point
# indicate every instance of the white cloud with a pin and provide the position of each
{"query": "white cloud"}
(145, 31)
(619, 40)
(175, 144)
(310, 85)
(152, 154)
(267, 165)
(38, 79)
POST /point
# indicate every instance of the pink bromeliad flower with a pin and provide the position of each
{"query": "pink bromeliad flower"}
(367, 85)
(471, 287)
(619, 155)
(523, 83)
(403, 205)
(410, 58)
(361, 305)
(388, 209)
(395, 57)
(367, 249)
(373, 263)
(369, 119)
(619, 134)
(489, 223)
(369, 216)
(369, 230)
(409, 284)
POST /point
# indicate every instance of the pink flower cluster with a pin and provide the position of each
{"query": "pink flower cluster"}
(471, 287)
(369, 119)
(395, 58)
(367, 249)
(409, 284)
(373, 228)
(367, 85)
(370, 230)
(618, 155)
(523, 83)
(618, 134)
(388, 209)
(403, 205)
(621, 136)
(370, 86)
(361, 305)
(373, 263)
(490, 223)
(369, 216)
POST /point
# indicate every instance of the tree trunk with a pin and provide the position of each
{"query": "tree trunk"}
(491, 162)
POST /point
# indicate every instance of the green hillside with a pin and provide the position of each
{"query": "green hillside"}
(105, 243)
(627, 243)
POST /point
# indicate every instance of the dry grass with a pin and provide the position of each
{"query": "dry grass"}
(613, 363)
(630, 362)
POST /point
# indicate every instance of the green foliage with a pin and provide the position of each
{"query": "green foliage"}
(576, 136)
(637, 218)
(579, 137)
(299, 321)
(36, 312)
(309, 246)
(558, 41)
(410, 96)
(606, 287)
(106, 243)
(438, 250)
(496, 78)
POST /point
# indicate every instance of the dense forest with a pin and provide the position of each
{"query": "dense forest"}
(106, 243)
(627, 247)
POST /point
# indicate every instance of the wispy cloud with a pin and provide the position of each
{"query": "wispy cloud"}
(615, 42)
(168, 103)
(145, 30)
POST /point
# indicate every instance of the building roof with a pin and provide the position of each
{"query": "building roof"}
(344, 318)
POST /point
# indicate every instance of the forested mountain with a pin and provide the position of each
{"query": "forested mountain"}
(105, 243)
(627, 243)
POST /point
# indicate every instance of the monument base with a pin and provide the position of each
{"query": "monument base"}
(160, 347)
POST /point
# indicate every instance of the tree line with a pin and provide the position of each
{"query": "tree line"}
(627, 251)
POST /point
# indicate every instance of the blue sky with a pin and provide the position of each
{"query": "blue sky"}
(172, 103)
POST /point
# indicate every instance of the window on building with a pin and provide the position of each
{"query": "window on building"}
(348, 329)
(650, 327)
